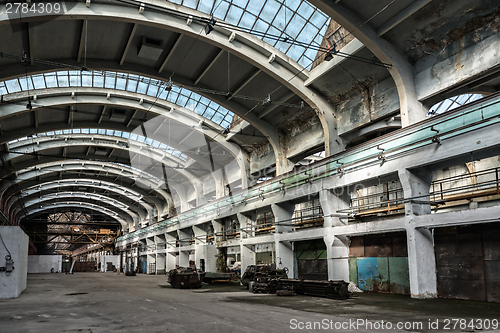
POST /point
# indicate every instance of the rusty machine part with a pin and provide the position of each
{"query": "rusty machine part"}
(185, 278)
(263, 278)
(328, 289)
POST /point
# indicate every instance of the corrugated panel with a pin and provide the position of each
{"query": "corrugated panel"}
(315, 249)
(491, 251)
(378, 247)
(314, 269)
(373, 274)
(492, 276)
(459, 261)
(399, 276)
(357, 247)
(399, 247)
(353, 270)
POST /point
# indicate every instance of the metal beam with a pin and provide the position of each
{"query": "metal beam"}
(102, 114)
(325, 67)
(35, 119)
(70, 114)
(82, 41)
(131, 118)
(31, 42)
(132, 34)
(247, 81)
(272, 107)
(170, 54)
(401, 16)
(208, 66)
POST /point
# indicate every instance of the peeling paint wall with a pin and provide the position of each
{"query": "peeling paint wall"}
(380, 263)
(366, 103)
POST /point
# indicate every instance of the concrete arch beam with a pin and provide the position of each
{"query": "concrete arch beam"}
(156, 155)
(136, 207)
(246, 47)
(412, 111)
(57, 97)
(76, 198)
(124, 222)
(56, 182)
(56, 186)
(144, 190)
(43, 169)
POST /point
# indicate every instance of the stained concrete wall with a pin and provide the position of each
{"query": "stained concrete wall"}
(16, 241)
(44, 263)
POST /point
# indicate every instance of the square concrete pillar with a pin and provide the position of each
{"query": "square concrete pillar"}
(247, 224)
(150, 259)
(421, 256)
(331, 202)
(200, 252)
(284, 256)
(160, 263)
(337, 254)
(283, 212)
(170, 261)
(422, 263)
(211, 258)
(183, 258)
(13, 283)
(247, 257)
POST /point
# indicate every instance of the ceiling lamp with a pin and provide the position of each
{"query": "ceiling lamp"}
(330, 53)
(169, 84)
(266, 101)
(210, 26)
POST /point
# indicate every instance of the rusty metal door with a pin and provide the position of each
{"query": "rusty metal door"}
(467, 262)
(311, 260)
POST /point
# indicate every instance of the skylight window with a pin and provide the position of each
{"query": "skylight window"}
(108, 132)
(294, 19)
(123, 81)
(453, 103)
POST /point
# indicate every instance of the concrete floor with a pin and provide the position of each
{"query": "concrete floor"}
(107, 302)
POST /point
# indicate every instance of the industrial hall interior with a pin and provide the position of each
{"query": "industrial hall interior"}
(335, 150)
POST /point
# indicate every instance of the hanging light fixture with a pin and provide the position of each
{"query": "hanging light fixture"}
(266, 101)
(169, 84)
(210, 25)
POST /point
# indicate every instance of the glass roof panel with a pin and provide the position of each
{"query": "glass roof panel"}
(120, 81)
(109, 132)
(204, 6)
(452, 103)
(270, 12)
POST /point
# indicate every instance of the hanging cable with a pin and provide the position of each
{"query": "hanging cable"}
(5, 245)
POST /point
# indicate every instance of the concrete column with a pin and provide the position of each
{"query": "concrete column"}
(211, 258)
(160, 263)
(284, 256)
(200, 251)
(421, 256)
(151, 259)
(170, 261)
(337, 247)
(337, 251)
(283, 212)
(16, 242)
(331, 202)
(247, 256)
(246, 224)
(218, 227)
(184, 236)
(171, 250)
